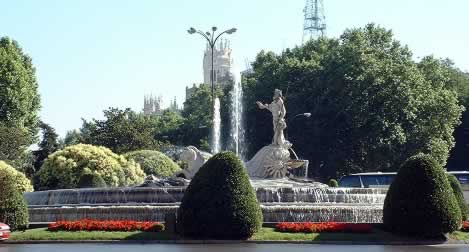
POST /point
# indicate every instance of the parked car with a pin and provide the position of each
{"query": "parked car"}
(463, 178)
(384, 179)
(4, 231)
(368, 180)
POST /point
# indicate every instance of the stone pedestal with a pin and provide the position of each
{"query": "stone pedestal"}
(270, 162)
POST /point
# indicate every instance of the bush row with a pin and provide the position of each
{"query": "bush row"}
(85, 165)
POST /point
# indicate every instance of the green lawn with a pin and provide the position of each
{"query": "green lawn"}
(377, 235)
(458, 235)
(265, 234)
(43, 234)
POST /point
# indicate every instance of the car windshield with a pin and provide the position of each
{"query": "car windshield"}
(350, 181)
(463, 178)
(376, 180)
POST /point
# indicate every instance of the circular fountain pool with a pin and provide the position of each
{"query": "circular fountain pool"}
(280, 199)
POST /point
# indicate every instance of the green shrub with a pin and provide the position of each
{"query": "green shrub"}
(457, 190)
(13, 208)
(420, 201)
(63, 168)
(91, 180)
(154, 162)
(220, 203)
(333, 183)
(9, 176)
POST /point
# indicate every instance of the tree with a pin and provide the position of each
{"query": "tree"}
(197, 114)
(372, 106)
(19, 96)
(121, 131)
(13, 142)
(73, 137)
(459, 81)
(168, 127)
(48, 145)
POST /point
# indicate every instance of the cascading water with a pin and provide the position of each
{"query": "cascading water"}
(216, 126)
(237, 127)
(280, 199)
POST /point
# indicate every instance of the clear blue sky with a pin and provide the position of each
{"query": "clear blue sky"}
(91, 54)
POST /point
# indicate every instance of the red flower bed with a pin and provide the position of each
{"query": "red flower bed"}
(321, 227)
(465, 226)
(96, 225)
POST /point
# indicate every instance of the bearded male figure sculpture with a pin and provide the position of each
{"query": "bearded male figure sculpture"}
(272, 161)
(278, 116)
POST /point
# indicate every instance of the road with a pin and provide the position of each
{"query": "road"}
(222, 247)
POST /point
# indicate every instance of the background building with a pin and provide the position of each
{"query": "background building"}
(222, 64)
(152, 105)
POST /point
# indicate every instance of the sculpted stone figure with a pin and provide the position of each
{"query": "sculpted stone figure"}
(195, 159)
(278, 116)
(272, 160)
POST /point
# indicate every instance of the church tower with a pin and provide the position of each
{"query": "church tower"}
(222, 62)
(152, 105)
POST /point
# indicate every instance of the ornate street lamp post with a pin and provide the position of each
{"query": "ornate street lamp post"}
(211, 39)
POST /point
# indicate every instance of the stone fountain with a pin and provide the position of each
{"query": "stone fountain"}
(282, 199)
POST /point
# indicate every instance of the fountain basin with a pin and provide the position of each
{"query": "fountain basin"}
(266, 191)
(281, 200)
(358, 213)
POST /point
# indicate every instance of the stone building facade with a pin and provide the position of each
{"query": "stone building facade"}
(222, 64)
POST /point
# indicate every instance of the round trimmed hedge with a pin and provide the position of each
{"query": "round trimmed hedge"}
(220, 202)
(91, 180)
(420, 201)
(333, 183)
(9, 177)
(13, 208)
(63, 168)
(154, 162)
(457, 190)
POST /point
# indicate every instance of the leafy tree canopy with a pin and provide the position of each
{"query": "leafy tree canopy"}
(19, 96)
(372, 105)
(48, 145)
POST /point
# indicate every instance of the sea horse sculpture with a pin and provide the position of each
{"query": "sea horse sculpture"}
(195, 159)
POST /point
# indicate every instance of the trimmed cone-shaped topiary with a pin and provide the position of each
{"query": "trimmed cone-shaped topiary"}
(220, 202)
(91, 180)
(154, 162)
(420, 201)
(457, 190)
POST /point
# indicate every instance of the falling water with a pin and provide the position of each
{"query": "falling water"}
(216, 126)
(281, 200)
(237, 128)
